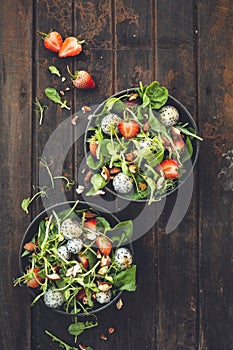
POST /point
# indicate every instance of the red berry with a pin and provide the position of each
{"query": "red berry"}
(52, 41)
(128, 129)
(91, 224)
(70, 47)
(104, 245)
(169, 167)
(35, 279)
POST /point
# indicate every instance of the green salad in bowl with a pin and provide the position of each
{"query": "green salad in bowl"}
(141, 144)
(77, 260)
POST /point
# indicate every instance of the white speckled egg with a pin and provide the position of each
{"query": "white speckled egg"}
(63, 252)
(168, 115)
(103, 297)
(108, 122)
(71, 229)
(122, 183)
(74, 245)
(53, 299)
(123, 258)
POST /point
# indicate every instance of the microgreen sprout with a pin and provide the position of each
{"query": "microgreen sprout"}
(40, 110)
(27, 201)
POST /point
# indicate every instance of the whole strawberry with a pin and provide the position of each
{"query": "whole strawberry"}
(52, 41)
(82, 80)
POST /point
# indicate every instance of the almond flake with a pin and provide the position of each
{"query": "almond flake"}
(119, 304)
(86, 109)
(74, 120)
(63, 79)
(103, 337)
(111, 330)
(80, 189)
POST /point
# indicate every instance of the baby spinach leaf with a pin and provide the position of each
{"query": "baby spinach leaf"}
(94, 163)
(54, 96)
(122, 231)
(98, 182)
(54, 70)
(126, 279)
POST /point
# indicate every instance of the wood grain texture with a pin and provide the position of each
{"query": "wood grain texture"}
(185, 284)
(215, 118)
(177, 252)
(15, 158)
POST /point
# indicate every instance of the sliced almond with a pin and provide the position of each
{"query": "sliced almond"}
(103, 337)
(131, 156)
(119, 304)
(88, 176)
(104, 286)
(98, 193)
(86, 109)
(105, 173)
(74, 120)
(133, 97)
(103, 270)
(53, 277)
(133, 168)
(74, 270)
(111, 330)
(114, 170)
(105, 260)
(142, 186)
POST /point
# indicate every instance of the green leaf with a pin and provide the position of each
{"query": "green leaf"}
(122, 231)
(94, 163)
(102, 223)
(76, 328)
(126, 279)
(157, 95)
(25, 204)
(54, 96)
(98, 182)
(188, 151)
(54, 70)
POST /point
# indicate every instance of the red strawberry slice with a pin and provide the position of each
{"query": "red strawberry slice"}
(30, 246)
(70, 47)
(52, 41)
(93, 147)
(169, 167)
(104, 245)
(35, 279)
(83, 260)
(91, 224)
(128, 129)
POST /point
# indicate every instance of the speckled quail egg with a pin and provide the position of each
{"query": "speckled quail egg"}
(123, 258)
(168, 115)
(103, 297)
(110, 122)
(53, 299)
(74, 245)
(63, 252)
(71, 229)
(145, 143)
(122, 183)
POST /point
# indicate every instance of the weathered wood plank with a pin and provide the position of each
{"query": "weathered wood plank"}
(177, 255)
(15, 158)
(215, 119)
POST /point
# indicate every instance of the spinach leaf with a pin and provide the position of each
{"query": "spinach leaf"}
(54, 70)
(54, 96)
(126, 279)
(98, 182)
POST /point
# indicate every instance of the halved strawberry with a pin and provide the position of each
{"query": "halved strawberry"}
(93, 146)
(169, 167)
(81, 294)
(30, 246)
(52, 41)
(70, 47)
(83, 260)
(128, 129)
(91, 224)
(104, 245)
(34, 278)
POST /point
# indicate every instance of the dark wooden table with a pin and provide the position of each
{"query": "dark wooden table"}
(184, 299)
